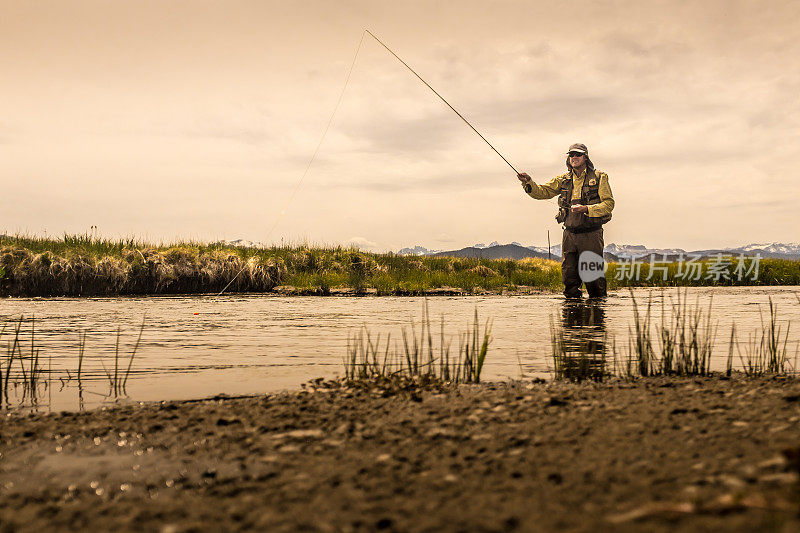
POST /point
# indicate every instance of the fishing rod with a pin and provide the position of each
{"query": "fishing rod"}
(443, 100)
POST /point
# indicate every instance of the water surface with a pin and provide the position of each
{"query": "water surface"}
(197, 346)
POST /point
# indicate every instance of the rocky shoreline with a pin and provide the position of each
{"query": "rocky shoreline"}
(654, 455)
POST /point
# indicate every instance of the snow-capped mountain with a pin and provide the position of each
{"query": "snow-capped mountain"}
(615, 251)
(774, 250)
(416, 250)
(243, 243)
(633, 250)
(792, 248)
(554, 250)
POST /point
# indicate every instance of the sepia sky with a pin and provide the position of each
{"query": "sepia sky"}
(196, 119)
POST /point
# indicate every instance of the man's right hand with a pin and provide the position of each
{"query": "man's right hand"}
(524, 178)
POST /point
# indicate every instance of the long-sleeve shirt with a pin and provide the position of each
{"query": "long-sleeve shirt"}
(552, 189)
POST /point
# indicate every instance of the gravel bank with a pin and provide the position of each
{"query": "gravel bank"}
(659, 454)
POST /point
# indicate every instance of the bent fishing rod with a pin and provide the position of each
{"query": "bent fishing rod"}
(428, 85)
(347, 80)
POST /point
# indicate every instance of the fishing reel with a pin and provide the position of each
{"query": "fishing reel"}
(563, 209)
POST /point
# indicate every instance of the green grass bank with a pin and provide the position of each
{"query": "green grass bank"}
(79, 265)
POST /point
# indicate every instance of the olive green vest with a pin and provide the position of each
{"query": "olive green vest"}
(580, 222)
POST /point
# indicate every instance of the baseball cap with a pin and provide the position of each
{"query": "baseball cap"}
(578, 147)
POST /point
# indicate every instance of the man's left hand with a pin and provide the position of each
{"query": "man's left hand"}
(580, 209)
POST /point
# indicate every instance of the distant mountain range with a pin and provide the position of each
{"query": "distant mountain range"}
(498, 251)
(613, 252)
(493, 250)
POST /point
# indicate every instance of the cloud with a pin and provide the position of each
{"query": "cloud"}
(420, 136)
(361, 243)
(436, 181)
(249, 126)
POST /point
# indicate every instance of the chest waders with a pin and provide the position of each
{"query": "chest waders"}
(581, 233)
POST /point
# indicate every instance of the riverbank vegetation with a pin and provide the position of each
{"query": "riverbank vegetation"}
(681, 343)
(81, 265)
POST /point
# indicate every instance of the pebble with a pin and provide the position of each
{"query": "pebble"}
(440, 432)
(780, 478)
(691, 490)
(731, 481)
(300, 434)
(778, 461)
(554, 401)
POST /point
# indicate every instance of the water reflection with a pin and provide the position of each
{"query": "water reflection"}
(200, 346)
(579, 347)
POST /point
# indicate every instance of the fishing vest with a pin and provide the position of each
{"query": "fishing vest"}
(590, 194)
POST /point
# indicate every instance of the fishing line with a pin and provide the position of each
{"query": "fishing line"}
(330, 121)
(314, 156)
(445, 101)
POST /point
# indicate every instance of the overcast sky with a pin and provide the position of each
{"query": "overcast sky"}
(196, 119)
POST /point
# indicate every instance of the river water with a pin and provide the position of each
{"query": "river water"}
(199, 346)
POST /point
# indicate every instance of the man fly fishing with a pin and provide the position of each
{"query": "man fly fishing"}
(585, 203)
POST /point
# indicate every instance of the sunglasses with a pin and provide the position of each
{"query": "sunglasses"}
(576, 154)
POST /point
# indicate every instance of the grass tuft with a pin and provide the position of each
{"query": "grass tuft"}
(765, 351)
(27, 379)
(683, 345)
(419, 356)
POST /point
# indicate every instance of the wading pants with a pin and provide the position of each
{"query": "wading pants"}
(572, 244)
